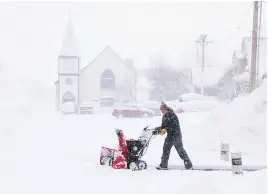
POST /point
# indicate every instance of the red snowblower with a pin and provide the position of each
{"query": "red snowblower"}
(129, 152)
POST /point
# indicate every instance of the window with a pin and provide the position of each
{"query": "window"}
(68, 97)
(68, 81)
(107, 80)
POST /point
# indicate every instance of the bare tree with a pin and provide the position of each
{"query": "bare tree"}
(166, 80)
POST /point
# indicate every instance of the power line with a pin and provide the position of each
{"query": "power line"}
(245, 15)
(239, 25)
(258, 43)
(202, 40)
(254, 47)
(258, 28)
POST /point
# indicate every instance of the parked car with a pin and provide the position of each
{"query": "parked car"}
(195, 106)
(191, 96)
(194, 96)
(133, 111)
(154, 105)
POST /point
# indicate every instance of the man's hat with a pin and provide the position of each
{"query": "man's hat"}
(163, 106)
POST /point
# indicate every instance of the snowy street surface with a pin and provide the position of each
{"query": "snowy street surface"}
(45, 152)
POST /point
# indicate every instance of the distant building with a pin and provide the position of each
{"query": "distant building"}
(106, 79)
(241, 60)
(261, 57)
(236, 78)
(164, 83)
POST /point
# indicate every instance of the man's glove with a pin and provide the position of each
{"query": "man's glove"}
(163, 131)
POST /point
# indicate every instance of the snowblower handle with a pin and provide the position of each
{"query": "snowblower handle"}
(146, 128)
(156, 132)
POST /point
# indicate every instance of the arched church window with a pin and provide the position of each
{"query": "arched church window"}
(107, 80)
(68, 81)
(68, 97)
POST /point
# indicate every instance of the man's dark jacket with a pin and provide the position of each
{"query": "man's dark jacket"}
(170, 122)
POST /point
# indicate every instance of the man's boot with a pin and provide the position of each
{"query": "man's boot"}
(161, 167)
(188, 164)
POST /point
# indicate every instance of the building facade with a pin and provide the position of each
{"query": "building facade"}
(107, 79)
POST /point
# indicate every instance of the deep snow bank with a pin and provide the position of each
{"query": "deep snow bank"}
(21, 95)
(242, 123)
(43, 151)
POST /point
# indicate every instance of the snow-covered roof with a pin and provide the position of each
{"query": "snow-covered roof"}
(244, 77)
(69, 47)
(107, 52)
(239, 54)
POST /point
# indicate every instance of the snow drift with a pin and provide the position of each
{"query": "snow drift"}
(242, 124)
(43, 151)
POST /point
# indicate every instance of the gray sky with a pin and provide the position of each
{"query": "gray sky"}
(32, 33)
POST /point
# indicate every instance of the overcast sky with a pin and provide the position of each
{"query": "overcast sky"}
(32, 33)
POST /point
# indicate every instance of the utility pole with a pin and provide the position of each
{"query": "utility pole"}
(202, 40)
(258, 46)
(254, 47)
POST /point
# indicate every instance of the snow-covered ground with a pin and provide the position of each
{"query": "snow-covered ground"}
(43, 151)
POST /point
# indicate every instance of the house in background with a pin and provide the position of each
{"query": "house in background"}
(241, 60)
(236, 78)
(107, 79)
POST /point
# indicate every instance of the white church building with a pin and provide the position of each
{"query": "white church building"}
(107, 79)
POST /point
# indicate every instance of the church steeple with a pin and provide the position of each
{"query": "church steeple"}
(69, 46)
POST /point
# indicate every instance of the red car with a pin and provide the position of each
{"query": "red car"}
(133, 111)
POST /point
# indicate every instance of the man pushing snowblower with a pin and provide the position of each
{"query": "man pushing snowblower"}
(171, 126)
(129, 152)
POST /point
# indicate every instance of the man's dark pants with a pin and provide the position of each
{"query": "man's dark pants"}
(177, 142)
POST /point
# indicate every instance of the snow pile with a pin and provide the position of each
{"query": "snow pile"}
(43, 151)
(242, 124)
(19, 94)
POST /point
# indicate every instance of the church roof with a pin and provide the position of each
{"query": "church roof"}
(69, 47)
(104, 52)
